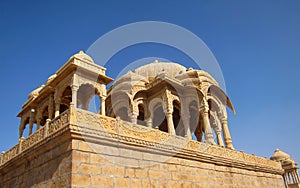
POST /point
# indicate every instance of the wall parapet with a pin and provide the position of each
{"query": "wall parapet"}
(43, 133)
(115, 131)
(118, 131)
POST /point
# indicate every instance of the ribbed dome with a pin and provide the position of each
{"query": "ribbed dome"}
(84, 57)
(151, 70)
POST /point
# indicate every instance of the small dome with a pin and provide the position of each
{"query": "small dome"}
(151, 70)
(280, 156)
(131, 76)
(128, 80)
(35, 92)
(51, 78)
(84, 57)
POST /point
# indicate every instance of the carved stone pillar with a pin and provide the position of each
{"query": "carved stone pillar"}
(133, 117)
(285, 179)
(186, 123)
(219, 137)
(207, 128)
(21, 128)
(20, 143)
(57, 101)
(169, 116)
(74, 94)
(38, 123)
(226, 134)
(30, 128)
(46, 128)
(168, 109)
(297, 175)
(204, 112)
(149, 122)
(31, 121)
(57, 108)
(293, 177)
(50, 106)
(102, 99)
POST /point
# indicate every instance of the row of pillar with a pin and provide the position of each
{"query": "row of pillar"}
(186, 122)
(74, 89)
(291, 177)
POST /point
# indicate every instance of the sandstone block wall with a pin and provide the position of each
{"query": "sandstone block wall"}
(43, 166)
(75, 163)
(126, 167)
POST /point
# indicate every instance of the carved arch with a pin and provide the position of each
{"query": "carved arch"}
(219, 93)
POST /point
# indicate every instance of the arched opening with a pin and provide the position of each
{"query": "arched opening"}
(199, 132)
(86, 98)
(178, 124)
(117, 105)
(94, 104)
(25, 132)
(195, 121)
(66, 99)
(44, 116)
(159, 119)
(63, 107)
(141, 116)
(34, 128)
(219, 94)
(194, 137)
(194, 115)
(123, 114)
(214, 107)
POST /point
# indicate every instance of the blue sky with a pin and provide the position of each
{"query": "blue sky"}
(257, 44)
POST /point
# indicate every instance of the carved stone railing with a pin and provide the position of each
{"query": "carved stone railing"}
(88, 123)
(25, 143)
(32, 139)
(11, 153)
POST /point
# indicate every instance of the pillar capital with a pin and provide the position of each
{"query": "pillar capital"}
(204, 110)
(102, 97)
(224, 119)
(168, 111)
(74, 87)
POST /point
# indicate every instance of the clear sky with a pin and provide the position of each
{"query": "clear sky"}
(257, 44)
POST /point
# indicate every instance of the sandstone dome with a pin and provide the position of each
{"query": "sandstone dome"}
(280, 156)
(83, 56)
(150, 71)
